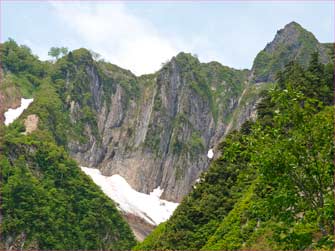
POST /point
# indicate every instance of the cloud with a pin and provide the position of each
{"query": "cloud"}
(121, 37)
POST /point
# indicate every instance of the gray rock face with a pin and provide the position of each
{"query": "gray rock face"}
(289, 35)
(161, 137)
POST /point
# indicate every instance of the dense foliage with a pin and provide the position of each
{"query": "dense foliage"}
(21, 69)
(51, 203)
(272, 187)
(46, 200)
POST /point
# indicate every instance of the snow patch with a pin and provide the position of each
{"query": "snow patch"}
(149, 207)
(157, 192)
(210, 153)
(13, 114)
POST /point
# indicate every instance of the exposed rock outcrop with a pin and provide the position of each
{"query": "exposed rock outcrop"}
(160, 137)
(31, 123)
(9, 98)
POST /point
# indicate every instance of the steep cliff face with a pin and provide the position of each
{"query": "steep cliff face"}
(246, 108)
(155, 130)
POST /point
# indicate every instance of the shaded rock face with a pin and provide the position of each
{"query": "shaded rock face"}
(161, 137)
(289, 36)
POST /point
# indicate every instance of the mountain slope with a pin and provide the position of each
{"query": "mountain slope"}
(43, 186)
(271, 188)
(155, 130)
(106, 117)
(46, 201)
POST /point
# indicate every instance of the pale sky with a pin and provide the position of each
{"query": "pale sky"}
(141, 35)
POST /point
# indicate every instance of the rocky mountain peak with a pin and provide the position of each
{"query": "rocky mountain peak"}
(289, 35)
(293, 42)
(185, 61)
(293, 24)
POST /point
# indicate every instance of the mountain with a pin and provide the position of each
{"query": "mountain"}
(153, 130)
(330, 49)
(292, 42)
(46, 201)
(271, 188)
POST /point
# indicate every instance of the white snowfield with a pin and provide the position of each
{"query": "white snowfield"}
(13, 114)
(149, 207)
(210, 153)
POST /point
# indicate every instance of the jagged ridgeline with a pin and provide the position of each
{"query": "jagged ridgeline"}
(155, 130)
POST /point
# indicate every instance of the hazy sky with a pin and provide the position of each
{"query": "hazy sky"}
(141, 35)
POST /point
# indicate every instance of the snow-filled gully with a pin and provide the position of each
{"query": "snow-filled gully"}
(147, 206)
